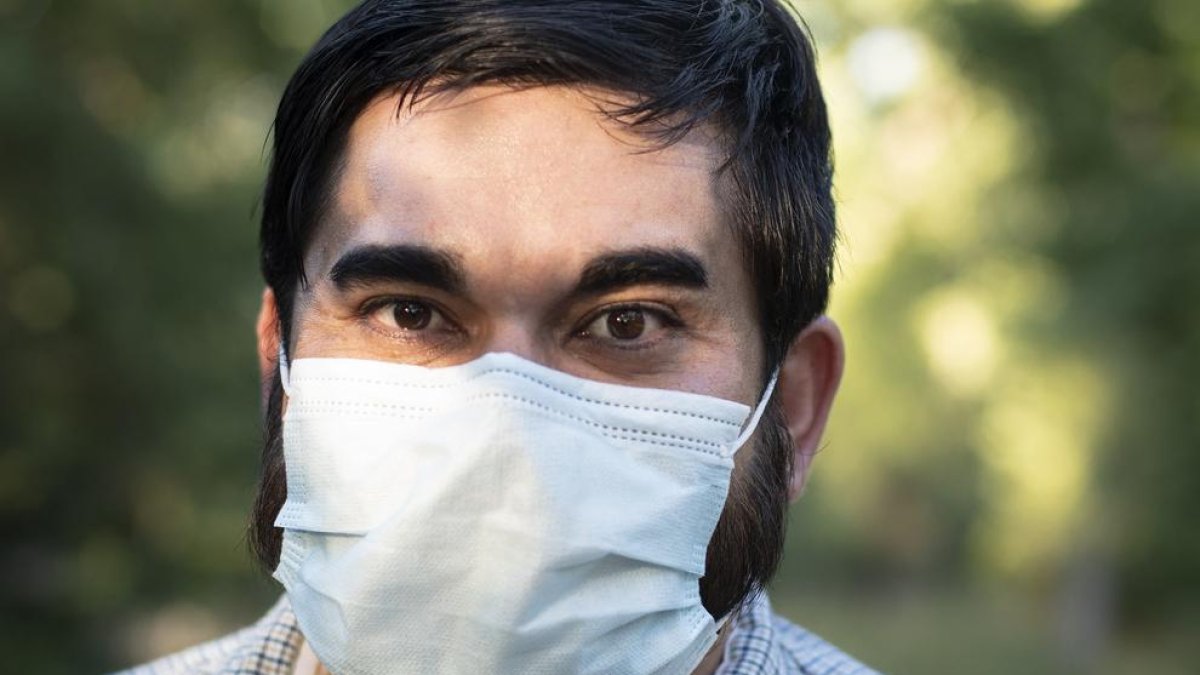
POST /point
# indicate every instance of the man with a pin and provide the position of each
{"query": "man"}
(545, 285)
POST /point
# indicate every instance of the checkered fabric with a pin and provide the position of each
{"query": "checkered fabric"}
(759, 643)
(763, 643)
(269, 647)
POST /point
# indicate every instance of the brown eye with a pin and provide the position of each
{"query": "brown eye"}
(629, 325)
(626, 324)
(410, 315)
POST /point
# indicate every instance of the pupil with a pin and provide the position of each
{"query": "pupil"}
(626, 324)
(411, 315)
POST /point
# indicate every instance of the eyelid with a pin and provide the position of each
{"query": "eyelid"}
(374, 303)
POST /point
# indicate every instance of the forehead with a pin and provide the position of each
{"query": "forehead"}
(524, 175)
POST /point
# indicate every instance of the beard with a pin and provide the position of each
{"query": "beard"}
(742, 556)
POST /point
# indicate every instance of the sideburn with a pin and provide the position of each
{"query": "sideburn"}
(746, 545)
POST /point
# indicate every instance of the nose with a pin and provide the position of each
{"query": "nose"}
(521, 337)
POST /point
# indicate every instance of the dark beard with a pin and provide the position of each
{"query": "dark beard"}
(747, 545)
(743, 554)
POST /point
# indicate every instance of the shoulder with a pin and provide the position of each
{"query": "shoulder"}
(809, 654)
(764, 643)
(269, 647)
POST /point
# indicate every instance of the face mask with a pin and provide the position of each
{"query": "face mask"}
(500, 517)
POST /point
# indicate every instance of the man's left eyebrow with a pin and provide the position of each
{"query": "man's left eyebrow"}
(641, 266)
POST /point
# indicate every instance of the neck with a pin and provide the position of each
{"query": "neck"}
(712, 660)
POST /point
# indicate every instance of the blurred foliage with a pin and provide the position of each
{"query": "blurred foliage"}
(1012, 471)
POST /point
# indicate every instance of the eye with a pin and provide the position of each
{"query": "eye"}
(630, 323)
(408, 316)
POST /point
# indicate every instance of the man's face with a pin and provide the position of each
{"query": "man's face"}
(496, 219)
(526, 221)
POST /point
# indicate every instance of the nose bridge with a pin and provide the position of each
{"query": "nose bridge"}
(519, 334)
(520, 284)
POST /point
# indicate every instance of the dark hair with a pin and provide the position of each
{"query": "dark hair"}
(743, 67)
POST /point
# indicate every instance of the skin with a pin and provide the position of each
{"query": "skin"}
(522, 188)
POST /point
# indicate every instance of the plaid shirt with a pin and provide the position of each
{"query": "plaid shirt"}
(760, 643)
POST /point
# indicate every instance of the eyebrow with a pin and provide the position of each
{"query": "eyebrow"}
(414, 263)
(405, 263)
(641, 266)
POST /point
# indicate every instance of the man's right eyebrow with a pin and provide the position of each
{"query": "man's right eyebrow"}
(398, 263)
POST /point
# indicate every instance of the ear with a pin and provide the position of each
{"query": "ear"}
(808, 380)
(267, 330)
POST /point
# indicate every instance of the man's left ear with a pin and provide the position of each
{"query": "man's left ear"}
(808, 380)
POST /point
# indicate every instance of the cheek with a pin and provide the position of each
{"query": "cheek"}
(732, 369)
(317, 332)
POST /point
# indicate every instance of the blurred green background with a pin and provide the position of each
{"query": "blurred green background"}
(1012, 478)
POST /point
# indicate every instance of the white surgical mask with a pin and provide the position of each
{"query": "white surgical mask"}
(500, 517)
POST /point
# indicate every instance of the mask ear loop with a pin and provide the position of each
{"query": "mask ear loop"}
(752, 423)
(285, 376)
